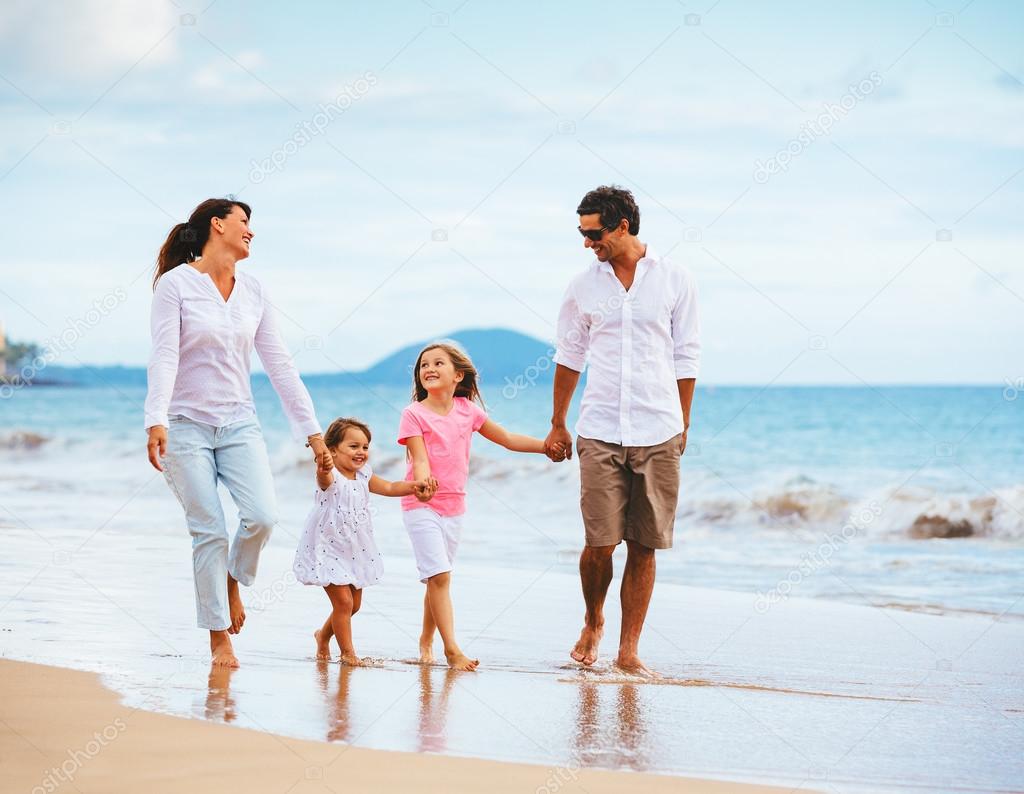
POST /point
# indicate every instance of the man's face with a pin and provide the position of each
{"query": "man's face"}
(607, 246)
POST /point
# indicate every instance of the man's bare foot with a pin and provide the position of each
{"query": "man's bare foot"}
(426, 652)
(585, 650)
(355, 661)
(221, 650)
(630, 663)
(459, 661)
(235, 606)
(323, 646)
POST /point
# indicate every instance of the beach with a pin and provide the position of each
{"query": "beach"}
(99, 745)
(805, 639)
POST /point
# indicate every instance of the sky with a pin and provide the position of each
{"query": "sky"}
(844, 179)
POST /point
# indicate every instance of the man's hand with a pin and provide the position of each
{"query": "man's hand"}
(558, 444)
(157, 445)
(682, 442)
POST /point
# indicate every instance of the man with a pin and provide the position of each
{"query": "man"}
(632, 316)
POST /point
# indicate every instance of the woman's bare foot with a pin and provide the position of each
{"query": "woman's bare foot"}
(426, 651)
(221, 650)
(585, 650)
(323, 646)
(235, 606)
(630, 663)
(457, 660)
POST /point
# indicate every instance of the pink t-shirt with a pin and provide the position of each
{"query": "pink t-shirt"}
(447, 439)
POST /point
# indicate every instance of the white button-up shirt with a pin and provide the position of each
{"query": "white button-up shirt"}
(637, 344)
(199, 366)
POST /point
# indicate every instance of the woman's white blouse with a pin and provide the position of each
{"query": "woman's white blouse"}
(202, 347)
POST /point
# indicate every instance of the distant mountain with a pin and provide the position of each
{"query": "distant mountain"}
(500, 355)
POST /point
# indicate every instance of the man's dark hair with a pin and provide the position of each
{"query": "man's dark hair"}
(614, 203)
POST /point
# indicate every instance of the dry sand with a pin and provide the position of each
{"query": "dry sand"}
(62, 729)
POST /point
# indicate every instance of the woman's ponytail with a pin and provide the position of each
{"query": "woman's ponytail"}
(186, 241)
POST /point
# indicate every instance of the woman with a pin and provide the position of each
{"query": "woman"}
(200, 415)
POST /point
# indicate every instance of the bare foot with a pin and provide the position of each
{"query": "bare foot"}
(585, 650)
(630, 663)
(323, 646)
(221, 650)
(355, 661)
(459, 661)
(235, 606)
(426, 652)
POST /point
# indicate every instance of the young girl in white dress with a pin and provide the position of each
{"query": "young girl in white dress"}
(337, 551)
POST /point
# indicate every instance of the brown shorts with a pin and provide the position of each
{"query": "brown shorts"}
(629, 493)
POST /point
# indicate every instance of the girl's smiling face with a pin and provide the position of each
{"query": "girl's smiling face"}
(437, 373)
(352, 452)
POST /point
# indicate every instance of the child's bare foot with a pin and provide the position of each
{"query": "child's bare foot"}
(323, 645)
(585, 650)
(221, 650)
(457, 660)
(235, 606)
(426, 651)
(355, 661)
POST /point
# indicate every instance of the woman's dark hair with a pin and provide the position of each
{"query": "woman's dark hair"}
(186, 240)
(336, 432)
(614, 203)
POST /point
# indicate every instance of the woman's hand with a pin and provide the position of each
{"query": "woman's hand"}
(157, 445)
(321, 454)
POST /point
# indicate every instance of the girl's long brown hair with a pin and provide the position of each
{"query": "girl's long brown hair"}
(467, 387)
(186, 240)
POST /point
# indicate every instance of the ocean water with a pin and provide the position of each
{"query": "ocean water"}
(801, 510)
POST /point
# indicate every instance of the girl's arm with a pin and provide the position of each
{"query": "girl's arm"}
(325, 471)
(382, 487)
(420, 462)
(516, 442)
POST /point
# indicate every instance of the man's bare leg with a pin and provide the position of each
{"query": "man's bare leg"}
(235, 606)
(440, 602)
(221, 650)
(427, 635)
(637, 586)
(595, 576)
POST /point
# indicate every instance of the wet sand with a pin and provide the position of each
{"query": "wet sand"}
(62, 727)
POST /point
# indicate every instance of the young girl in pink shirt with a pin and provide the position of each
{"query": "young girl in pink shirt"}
(437, 429)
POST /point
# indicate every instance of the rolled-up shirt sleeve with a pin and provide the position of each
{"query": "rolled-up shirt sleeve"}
(573, 333)
(284, 376)
(162, 370)
(686, 331)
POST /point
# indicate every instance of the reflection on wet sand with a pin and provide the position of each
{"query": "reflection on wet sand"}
(338, 711)
(220, 706)
(610, 740)
(434, 710)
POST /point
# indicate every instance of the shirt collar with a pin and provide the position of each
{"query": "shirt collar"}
(649, 258)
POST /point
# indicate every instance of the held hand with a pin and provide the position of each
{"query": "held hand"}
(157, 445)
(558, 445)
(423, 489)
(322, 455)
(682, 442)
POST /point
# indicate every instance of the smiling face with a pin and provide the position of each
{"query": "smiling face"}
(352, 452)
(611, 240)
(234, 231)
(436, 373)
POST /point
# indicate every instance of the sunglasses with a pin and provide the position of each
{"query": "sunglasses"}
(594, 235)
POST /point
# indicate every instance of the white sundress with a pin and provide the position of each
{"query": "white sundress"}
(337, 545)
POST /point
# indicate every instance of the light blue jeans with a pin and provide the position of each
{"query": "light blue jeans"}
(198, 457)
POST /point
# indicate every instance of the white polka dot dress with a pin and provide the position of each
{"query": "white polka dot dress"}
(337, 545)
